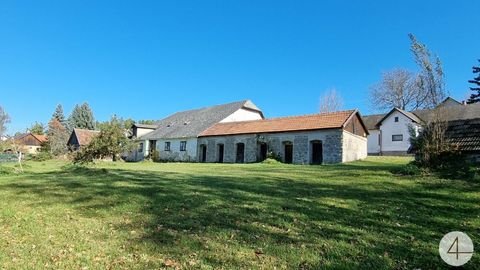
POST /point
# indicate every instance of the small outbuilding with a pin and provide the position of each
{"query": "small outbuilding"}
(311, 139)
(30, 143)
(80, 138)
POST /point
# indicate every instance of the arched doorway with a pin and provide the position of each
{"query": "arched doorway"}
(240, 157)
(316, 152)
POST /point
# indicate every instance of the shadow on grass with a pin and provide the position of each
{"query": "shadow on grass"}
(321, 218)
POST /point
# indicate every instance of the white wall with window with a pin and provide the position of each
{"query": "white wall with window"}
(395, 135)
(184, 149)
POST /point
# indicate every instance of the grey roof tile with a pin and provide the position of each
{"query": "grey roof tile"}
(189, 124)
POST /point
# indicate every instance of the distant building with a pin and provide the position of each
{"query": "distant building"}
(80, 138)
(30, 143)
(389, 133)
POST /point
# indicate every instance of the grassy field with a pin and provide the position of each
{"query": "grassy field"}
(218, 216)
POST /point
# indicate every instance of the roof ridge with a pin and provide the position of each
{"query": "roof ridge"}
(289, 117)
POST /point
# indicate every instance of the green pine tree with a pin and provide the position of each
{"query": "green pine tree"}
(82, 117)
(475, 97)
(58, 115)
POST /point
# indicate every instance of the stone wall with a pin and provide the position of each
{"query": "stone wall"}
(332, 143)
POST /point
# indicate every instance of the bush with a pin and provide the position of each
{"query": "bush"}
(410, 169)
(271, 161)
(42, 156)
(155, 156)
(274, 156)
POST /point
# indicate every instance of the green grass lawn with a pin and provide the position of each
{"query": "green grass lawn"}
(219, 216)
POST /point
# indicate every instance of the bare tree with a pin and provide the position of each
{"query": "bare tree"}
(398, 88)
(331, 101)
(4, 120)
(431, 77)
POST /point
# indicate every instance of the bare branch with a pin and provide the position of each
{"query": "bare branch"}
(331, 101)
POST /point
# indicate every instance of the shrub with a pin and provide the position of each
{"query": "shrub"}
(271, 161)
(410, 169)
(41, 156)
(274, 156)
(155, 156)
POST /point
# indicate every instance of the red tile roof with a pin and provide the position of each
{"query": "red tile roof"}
(40, 138)
(284, 124)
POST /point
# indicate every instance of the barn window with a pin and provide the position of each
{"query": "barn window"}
(140, 148)
(183, 146)
(167, 146)
(397, 138)
(396, 119)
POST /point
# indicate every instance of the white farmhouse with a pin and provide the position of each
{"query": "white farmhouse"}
(389, 134)
(175, 137)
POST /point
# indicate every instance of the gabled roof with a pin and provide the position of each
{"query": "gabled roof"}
(409, 115)
(190, 124)
(39, 138)
(145, 126)
(451, 112)
(284, 124)
(449, 101)
(84, 136)
(371, 121)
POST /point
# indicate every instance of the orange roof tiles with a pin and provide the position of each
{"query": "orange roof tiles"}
(40, 138)
(284, 124)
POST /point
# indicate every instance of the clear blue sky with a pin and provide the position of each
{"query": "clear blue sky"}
(148, 59)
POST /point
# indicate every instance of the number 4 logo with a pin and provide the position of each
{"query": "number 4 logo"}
(456, 248)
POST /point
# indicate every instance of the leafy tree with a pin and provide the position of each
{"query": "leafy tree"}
(82, 117)
(146, 122)
(397, 89)
(331, 101)
(4, 120)
(110, 143)
(37, 128)
(57, 137)
(475, 97)
(430, 78)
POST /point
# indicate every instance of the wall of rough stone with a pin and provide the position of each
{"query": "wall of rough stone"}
(354, 147)
(331, 141)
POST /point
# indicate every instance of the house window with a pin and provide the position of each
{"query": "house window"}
(396, 119)
(140, 148)
(167, 146)
(183, 146)
(397, 138)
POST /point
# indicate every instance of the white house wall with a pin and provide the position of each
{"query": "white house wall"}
(242, 115)
(373, 141)
(143, 131)
(354, 147)
(389, 127)
(175, 154)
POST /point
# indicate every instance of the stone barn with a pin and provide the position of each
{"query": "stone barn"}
(311, 139)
